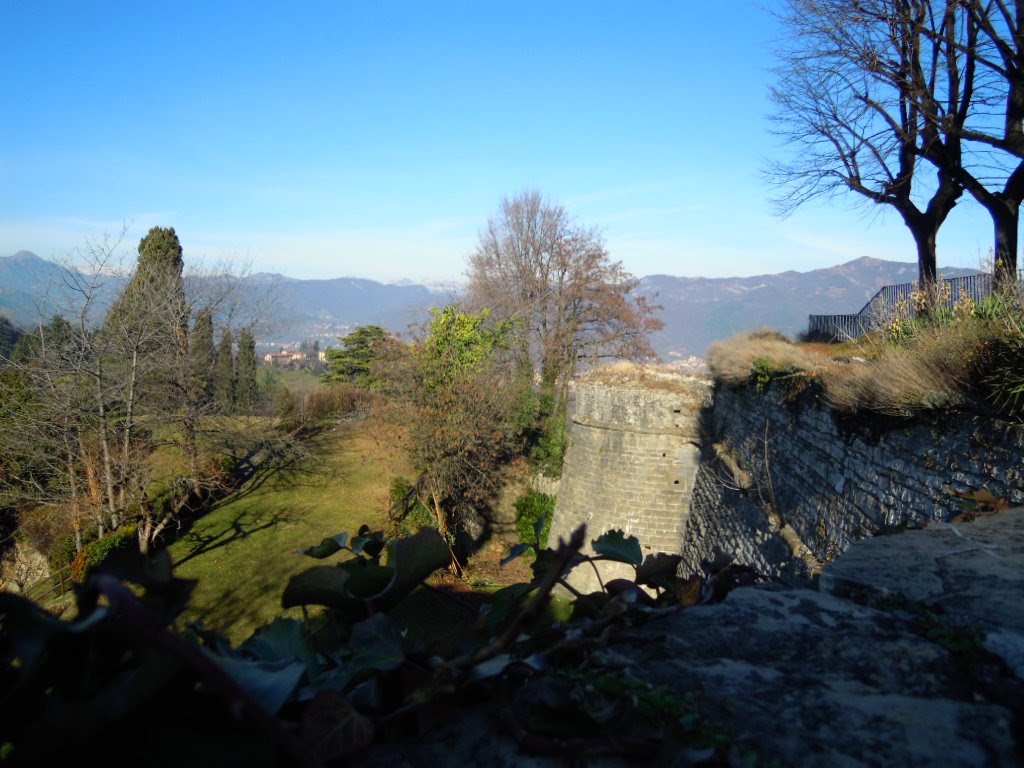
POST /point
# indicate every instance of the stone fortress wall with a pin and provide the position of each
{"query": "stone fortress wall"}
(787, 483)
(777, 483)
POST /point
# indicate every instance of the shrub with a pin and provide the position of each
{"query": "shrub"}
(549, 450)
(44, 527)
(529, 509)
(62, 551)
(98, 550)
(1003, 377)
(411, 514)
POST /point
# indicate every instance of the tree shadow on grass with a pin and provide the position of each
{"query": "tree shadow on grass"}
(293, 466)
(239, 527)
(234, 614)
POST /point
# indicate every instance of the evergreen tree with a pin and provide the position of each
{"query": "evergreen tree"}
(359, 350)
(156, 291)
(224, 380)
(246, 391)
(202, 359)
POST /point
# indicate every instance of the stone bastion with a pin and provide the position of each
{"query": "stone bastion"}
(632, 459)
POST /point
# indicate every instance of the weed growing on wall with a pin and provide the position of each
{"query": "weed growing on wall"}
(534, 513)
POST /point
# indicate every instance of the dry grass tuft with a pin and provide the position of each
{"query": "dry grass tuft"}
(655, 377)
(942, 366)
(938, 371)
(735, 360)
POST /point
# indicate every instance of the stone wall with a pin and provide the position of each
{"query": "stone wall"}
(631, 462)
(782, 477)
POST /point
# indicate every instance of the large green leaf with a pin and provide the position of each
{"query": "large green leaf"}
(504, 604)
(368, 542)
(327, 547)
(414, 558)
(282, 639)
(269, 682)
(367, 580)
(658, 570)
(615, 545)
(321, 585)
(376, 643)
(348, 585)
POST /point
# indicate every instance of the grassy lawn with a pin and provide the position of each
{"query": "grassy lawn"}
(244, 550)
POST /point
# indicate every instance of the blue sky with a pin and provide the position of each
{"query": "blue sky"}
(373, 139)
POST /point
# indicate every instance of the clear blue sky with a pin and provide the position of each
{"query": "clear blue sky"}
(373, 139)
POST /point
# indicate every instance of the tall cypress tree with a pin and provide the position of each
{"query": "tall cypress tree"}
(156, 291)
(245, 394)
(224, 379)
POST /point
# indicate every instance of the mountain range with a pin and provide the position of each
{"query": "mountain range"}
(698, 310)
(695, 310)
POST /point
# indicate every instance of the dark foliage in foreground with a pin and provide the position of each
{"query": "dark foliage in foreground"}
(120, 682)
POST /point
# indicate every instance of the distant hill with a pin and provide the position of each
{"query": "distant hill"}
(700, 310)
(696, 310)
(320, 307)
(30, 289)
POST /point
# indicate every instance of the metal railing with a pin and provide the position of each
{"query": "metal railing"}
(890, 297)
(58, 582)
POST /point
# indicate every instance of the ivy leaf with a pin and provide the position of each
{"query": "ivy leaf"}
(270, 683)
(327, 547)
(658, 570)
(368, 580)
(615, 546)
(333, 728)
(369, 544)
(504, 604)
(414, 558)
(377, 643)
(282, 639)
(492, 667)
(321, 585)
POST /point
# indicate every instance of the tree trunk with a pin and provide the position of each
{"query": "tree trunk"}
(108, 464)
(1004, 213)
(924, 238)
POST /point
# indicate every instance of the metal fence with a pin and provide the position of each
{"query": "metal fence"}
(52, 586)
(891, 298)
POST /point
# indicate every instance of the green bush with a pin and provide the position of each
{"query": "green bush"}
(62, 551)
(413, 514)
(95, 552)
(763, 372)
(551, 438)
(529, 509)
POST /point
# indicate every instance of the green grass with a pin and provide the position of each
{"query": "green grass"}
(296, 379)
(244, 551)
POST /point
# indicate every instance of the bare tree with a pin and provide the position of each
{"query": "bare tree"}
(853, 123)
(941, 80)
(556, 280)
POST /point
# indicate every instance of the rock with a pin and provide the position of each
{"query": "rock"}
(974, 572)
(809, 679)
